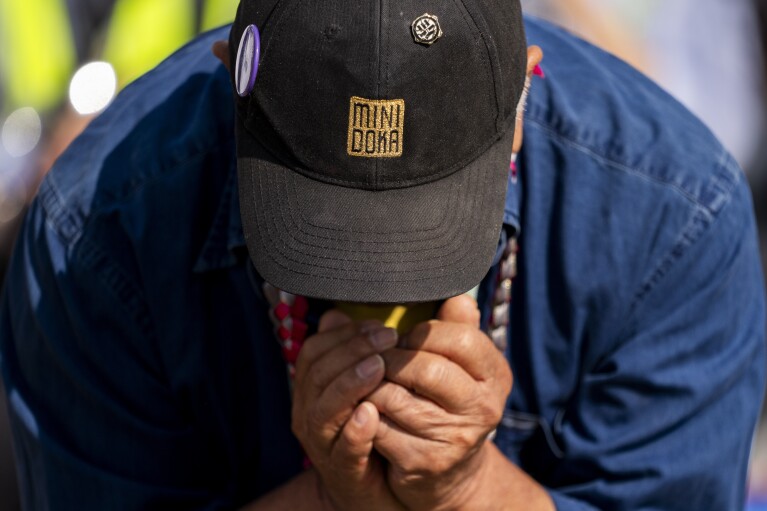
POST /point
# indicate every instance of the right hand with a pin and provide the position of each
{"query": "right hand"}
(337, 368)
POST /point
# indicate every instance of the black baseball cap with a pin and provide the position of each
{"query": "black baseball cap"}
(373, 150)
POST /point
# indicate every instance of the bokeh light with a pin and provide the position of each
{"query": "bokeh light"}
(21, 132)
(93, 87)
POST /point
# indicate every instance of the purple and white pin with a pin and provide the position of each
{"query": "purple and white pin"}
(247, 60)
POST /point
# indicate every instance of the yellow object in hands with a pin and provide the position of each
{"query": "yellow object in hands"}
(401, 317)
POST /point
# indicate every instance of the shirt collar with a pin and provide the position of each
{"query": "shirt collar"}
(225, 243)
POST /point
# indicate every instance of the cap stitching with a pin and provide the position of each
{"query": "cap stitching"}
(308, 222)
(442, 228)
(489, 68)
(272, 219)
(277, 25)
(287, 256)
(314, 265)
(460, 222)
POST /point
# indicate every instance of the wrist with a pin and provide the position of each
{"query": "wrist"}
(498, 484)
(472, 490)
(463, 489)
(322, 496)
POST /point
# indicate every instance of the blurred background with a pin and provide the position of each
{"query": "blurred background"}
(63, 62)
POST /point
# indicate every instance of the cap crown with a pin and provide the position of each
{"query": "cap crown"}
(346, 95)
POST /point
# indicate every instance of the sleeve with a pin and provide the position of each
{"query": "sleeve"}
(95, 425)
(664, 419)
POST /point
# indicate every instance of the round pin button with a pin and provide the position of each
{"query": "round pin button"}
(247, 60)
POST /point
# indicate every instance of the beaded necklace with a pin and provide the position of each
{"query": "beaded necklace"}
(288, 311)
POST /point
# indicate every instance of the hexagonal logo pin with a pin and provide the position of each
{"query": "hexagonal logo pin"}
(426, 29)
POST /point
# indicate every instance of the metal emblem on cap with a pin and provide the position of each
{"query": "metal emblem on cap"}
(426, 29)
(247, 60)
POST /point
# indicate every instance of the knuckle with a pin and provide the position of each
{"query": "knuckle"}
(446, 465)
(312, 419)
(316, 377)
(489, 414)
(429, 417)
(475, 315)
(392, 398)
(315, 421)
(433, 376)
(410, 466)
(399, 400)
(465, 339)
(496, 416)
(464, 439)
(504, 382)
(299, 427)
(439, 464)
(306, 355)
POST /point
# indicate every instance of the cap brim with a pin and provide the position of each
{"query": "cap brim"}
(418, 244)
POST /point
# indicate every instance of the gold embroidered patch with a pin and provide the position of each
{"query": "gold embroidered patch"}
(376, 127)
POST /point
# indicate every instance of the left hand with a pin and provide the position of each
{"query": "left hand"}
(445, 391)
(336, 369)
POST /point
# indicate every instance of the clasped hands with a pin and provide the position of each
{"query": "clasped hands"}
(393, 424)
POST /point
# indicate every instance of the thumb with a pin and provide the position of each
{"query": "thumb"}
(460, 309)
(355, 443)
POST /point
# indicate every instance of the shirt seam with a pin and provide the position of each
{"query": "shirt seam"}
(610, 162)
(93, 259)
(702, 221)
(90, 255)
(58, 214)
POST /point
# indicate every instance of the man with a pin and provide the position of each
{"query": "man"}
(145, 349)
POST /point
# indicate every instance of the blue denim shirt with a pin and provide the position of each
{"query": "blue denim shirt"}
(141, 365)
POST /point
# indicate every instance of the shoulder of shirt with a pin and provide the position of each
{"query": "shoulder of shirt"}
(593, 102)
(169, 118)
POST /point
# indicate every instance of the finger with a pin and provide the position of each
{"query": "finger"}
(335, 404)
(355, 442)
(337, 331)
(354, 462)
(417, 415)
(467, 346)
(431, 376)
(345, 355)
(405, 452)
(332, 319)
(460, 309)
